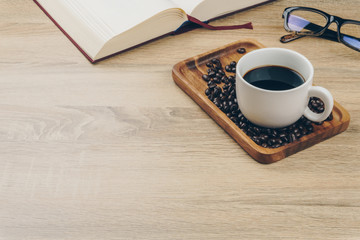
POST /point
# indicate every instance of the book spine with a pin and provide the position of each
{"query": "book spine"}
(208, 26)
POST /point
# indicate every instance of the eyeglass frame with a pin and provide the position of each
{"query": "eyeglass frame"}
(325, 32)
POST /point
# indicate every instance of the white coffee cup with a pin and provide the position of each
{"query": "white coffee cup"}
(273, 108)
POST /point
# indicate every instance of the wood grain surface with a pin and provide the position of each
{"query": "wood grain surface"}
(117, 151)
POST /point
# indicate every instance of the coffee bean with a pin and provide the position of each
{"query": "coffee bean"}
(218, 104)
(215, 60)
(217, 91)
(234, 107)
(256, 140)
(233, 119)
(310, 128)
(212, 74)
(226, 108)
(231, 79)
(225, 79)
(211, 86)
(218, 66)
(241, 50)
(273, 133)
(228, 68)
(272, 142)
(217, 80)
(264, 145)
(207, 92)
(282, 136)
(292, 137)
(211, 82)
(243, 125)
(330, 117)
(206, 77)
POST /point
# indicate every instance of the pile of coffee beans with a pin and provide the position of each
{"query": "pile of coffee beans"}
(221, 91)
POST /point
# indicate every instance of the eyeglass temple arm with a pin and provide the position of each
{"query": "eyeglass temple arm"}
(328, 34)
(290, 37)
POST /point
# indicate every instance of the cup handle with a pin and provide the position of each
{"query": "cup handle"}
(326, 97)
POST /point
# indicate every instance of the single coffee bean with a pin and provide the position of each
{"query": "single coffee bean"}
(220, 71)
(272, 142)
(282, 136)
(241, 50)
(212, 86)
(206, 77)
(233, 107)
(232, 64)
(217, 80)
(218, 66)
(310, 128)
(233, 119)
(214, 60)
(225, 79)
(330, 117)
(209, 65)
(212, 74)
(292, 137)
(207, 92)
(264, 145)
(243, 125)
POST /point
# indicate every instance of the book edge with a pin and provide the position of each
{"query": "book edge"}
(64, 32)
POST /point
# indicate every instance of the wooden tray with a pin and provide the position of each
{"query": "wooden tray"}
(188, 76)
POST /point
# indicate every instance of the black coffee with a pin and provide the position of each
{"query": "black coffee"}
(276, 78)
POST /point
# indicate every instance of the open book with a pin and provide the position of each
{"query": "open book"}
(100, 28)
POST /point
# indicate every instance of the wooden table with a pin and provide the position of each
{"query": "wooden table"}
(117, 151)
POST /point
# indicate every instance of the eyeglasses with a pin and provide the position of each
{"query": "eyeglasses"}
(303, 21)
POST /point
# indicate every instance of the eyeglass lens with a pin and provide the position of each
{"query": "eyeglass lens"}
(306, 21)
(350, 34)
(309, 22)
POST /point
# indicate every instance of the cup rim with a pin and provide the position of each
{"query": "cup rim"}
(307, 61)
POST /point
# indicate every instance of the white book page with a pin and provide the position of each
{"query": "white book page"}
(112, 17)
(187, 5)
(208, 9)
